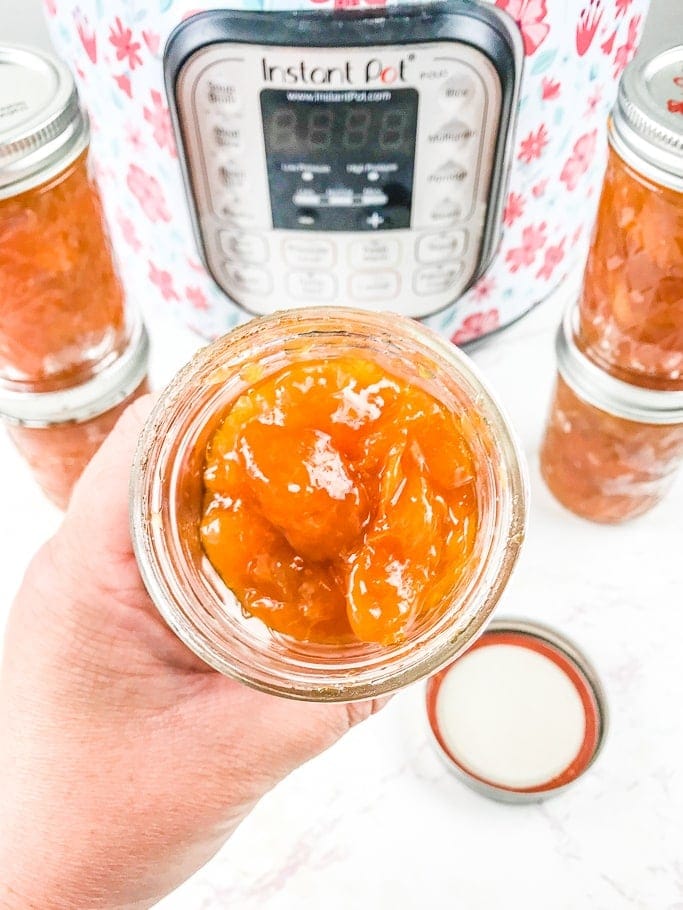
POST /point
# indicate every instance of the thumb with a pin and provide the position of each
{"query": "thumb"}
(97, 516)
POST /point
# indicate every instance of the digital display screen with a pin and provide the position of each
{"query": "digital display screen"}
(309, 129)
(336, 154)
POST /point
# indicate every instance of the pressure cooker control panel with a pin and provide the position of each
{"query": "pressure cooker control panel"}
(345, 159)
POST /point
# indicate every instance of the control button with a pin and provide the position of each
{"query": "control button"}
(449, 172)
(374, 220)
(227, 135)
(442, 246)
(339, 197)
(232, 206)
(447, 210)
(249, 248)
(309, 253)
(458, 91)
(374, 251)
(248, 280)
(232, 176)
(223, 94)
(373, 176)
(311, 286)
(375, 285)
(372, 196)
(455, 131)
(307, 218)
(437, 279)
(307, 176)
(306, 197)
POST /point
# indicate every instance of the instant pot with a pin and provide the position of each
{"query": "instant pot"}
(442, 160)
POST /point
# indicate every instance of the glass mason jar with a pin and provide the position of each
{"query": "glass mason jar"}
(611, 449)
(166, 504)
(58, 432)
(632, 301)
(62, 313)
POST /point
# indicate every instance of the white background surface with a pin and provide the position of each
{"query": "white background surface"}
(378, 822)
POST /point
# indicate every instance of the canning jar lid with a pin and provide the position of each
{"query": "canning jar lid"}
(42, 125)
(614, 396)
(521, 715)
(646, 128)
(82, 402)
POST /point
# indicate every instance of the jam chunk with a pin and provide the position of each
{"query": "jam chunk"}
(339, 502)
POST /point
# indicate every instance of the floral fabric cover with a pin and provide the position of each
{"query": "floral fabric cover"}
(575, 53)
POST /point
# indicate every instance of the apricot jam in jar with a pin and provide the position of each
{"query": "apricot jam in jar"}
(57, 433)
(62, 314)
(632, 301)
(611, 449)
(327, 503)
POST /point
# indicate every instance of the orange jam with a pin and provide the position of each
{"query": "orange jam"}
(58, 454)
(604, 467)
(632, 301)
(61, 303)
(339, 502)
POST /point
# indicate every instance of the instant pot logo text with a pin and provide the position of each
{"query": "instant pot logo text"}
(373, 72)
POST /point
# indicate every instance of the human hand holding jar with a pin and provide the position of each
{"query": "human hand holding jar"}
(125, 761)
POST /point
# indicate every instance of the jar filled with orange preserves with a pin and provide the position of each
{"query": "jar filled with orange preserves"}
(58, 432)
(611, 449)
(327, 503)
(632, 301)
(62, 314)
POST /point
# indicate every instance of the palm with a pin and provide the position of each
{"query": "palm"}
(181, 752)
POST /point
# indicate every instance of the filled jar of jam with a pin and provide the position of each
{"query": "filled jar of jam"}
(58, 432)
(62, 313)
(327, 503)
(632, 301)
(611, 449)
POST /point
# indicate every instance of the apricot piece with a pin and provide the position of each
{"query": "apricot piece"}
(340, 502)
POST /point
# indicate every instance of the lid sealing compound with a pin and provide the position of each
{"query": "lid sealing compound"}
(607, 393)
(521, 715)
(104, 391)
(646, 128)
(42, 125)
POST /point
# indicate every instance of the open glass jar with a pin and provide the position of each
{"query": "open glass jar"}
(167, 488)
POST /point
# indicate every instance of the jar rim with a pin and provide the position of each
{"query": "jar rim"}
(154, 522)
(604, 391)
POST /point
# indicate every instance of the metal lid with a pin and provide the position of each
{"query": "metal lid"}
(646, 128)
(42, 126)
(598, 388)
(521, 715)
(82, 402)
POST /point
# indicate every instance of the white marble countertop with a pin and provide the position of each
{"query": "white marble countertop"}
(378, 822)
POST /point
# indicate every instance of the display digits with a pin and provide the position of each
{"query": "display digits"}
(392, 131)
(348, 127)
(319, 133)
(283, 134)
(356, 128)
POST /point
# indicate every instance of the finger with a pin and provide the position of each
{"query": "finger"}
(281, 734)
(97, 519)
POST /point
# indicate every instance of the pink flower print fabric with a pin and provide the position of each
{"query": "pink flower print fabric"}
(575, 51)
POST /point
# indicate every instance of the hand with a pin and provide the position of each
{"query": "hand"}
(125, 763)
